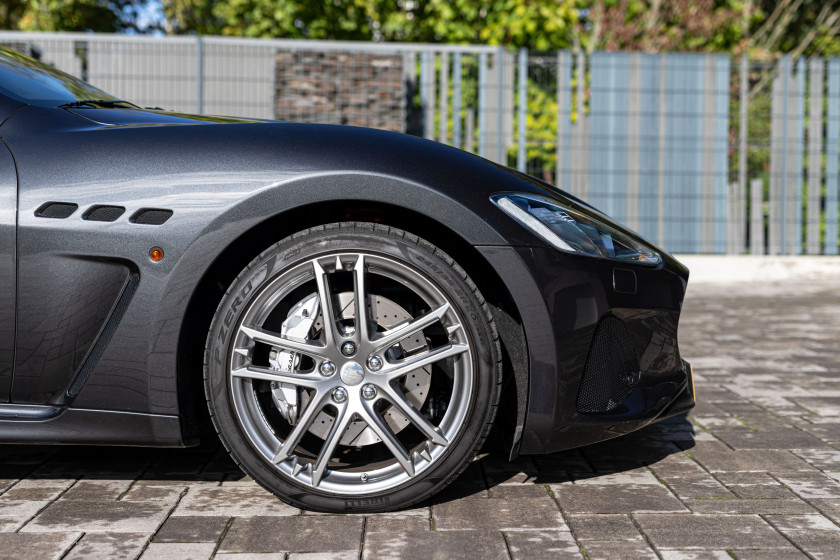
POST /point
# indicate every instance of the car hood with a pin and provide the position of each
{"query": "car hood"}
(151, 117)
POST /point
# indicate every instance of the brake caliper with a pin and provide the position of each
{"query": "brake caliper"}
(296, 327)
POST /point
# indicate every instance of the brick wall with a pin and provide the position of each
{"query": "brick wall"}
(357, 89)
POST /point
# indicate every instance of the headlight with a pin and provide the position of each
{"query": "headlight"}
(573, 231)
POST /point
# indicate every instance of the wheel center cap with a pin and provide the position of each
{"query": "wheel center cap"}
(352, 373)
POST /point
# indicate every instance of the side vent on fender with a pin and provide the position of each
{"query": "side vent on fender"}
(101, 213)
(612, 368)
(150, 216)
(58, 210)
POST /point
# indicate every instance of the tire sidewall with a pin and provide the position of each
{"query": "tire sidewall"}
(417, 254)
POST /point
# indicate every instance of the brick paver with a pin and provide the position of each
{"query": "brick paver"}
(753, 472)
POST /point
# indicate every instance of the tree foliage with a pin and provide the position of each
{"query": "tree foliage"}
(759, 26)
(71, 15)
(541, 24)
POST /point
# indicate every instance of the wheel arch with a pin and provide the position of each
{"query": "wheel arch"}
(233, 258)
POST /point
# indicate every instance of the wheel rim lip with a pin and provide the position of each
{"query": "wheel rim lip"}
(387, 477)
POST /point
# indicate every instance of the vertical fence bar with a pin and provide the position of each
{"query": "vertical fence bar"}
(424, 89)
(796, 155)
(522, 114)
(409, 82)
(564, 108)
(832, 153)
(707, 194)
(778, 159)
(757, 217)
(469, 130)
(427, 93)
(732, 221)
(739, 238)
(649, 146)
(199, 74)
(443, 130)
(720, 150)
(662, 145)
(456, 100)
(579, 147)
(500, 116)
(633, 142)
(482, 104)
(815, 137)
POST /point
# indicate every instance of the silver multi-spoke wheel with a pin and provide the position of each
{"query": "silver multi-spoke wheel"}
(353, 367)
(354, 370)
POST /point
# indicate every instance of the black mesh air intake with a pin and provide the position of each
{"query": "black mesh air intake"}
(150, 216)
(56, 210)
(103, 213)
(612, 368)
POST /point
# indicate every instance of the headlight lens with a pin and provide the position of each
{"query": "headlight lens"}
(573, 231)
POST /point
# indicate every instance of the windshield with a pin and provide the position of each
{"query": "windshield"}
(36, 83)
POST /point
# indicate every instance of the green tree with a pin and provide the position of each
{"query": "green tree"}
(798, 27)
(539, 24)
(337, 19)
(662, 25)
(70, 15)
(536, 24)
(11, 12)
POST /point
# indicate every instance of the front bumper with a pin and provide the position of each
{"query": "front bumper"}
(562, 300)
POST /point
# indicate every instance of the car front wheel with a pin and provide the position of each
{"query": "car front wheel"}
(352, 367)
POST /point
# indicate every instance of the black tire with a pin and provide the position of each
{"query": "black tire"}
(408, 250)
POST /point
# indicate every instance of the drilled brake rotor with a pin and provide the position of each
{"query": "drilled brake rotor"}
(386, 314)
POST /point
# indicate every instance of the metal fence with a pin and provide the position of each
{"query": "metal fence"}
(701, 153)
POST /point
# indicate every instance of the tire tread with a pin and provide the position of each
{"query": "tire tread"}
(368, 227)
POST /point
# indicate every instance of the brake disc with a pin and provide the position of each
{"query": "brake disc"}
(386, 314)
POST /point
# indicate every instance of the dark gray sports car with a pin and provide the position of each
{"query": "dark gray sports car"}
(353, 309)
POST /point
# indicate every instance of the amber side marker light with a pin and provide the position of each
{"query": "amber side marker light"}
(156, 254)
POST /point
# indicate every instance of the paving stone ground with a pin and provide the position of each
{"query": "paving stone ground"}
(753, 472)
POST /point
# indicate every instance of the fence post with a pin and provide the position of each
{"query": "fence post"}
(564, 107)
(832, 146)
(521, 153)
(662, 176)
(427, 93)
(443, 130)
(500, 99)
(778, 157)
(757, 217)
(815, 128)
(456, 100)
(482, 104)
(743, 133)
(733, 218)
(199, 74)
(469, 130)
(797, 155)
(579, 145)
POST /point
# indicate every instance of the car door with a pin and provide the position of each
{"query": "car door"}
(8, 218)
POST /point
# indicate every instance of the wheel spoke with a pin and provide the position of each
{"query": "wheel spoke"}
(381, 429)
(330, 443)
(397, 398)
(330, 330)
(359, 295)
(398, 369)
(360, 299)
(404, 330)
(287, 448)
(274, 339)
(265, 374)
